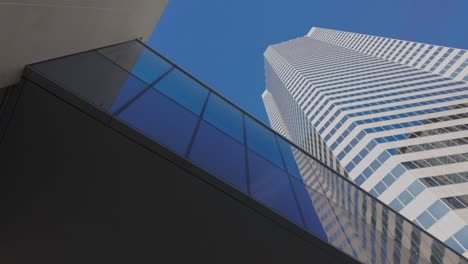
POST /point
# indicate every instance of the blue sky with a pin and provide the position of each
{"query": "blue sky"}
(222, 42)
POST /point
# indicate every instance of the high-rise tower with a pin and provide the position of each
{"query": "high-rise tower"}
(390, 115)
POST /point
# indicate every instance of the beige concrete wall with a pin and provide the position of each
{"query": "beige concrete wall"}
(37, 30)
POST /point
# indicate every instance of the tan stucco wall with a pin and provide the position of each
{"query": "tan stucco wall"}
(37, 30)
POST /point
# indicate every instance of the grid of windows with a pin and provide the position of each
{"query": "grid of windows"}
(350, 93)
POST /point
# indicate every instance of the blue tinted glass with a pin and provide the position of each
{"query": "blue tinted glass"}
(398, 171)
(462, 236)
(262, 141)
(373, 193)
(184, 90)
(359, 180)
(137, 59)
(149, 66)
(416, 188)
(454, 245)
(289, 160)
(220, 154)
(270, 185)
(224, 116)
(389, 179)
(405, 197)
(129, 90)
(380, 188)
(304, 198)
(396, 205)
(426, 220)
(438, 209)
(160, 118)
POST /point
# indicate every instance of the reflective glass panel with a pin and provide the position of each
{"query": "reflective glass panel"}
(184, 90)
(304, 197)
(130, 89)
(426, 220)
(163, 120)
(288, 157)
(270, 185)
(462, 236)
(137, 59)
(262, 141)
(220, 154)
(224, 116)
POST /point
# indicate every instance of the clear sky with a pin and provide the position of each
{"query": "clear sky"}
(221, 42)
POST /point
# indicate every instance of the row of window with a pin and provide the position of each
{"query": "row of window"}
(406, 92)
(432, 214)
(363, 85)
(438, 50)
(408, 51)
(423, 133)
(376, 71)
(452, 62)
(441, 59)
(406, 106)
(459, 241)
(390, 127)
(417, 122)
(384, 118)
(353, 92)
(410, 59)
(436, 161)
(410, 114)
(429, 146)
(354, 89)
(457, 202)
(422, 55)
(460, 69)
(446, 179)
(372, 84)
(407, 196)
(338, 90)
(353, 70)
(387, 181)
(360, 81)
(400, 51)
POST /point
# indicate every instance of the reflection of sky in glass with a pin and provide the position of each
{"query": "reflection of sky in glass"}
(262, 141)
(270, 185)
(149, 67)
(225, 117)
(129, 90)
(184, 90)
(221, 155)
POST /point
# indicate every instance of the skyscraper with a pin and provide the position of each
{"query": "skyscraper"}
(390, 115)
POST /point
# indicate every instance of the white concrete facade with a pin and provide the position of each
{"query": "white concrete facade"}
(384, 112)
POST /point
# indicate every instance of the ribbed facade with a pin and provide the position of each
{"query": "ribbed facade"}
(391, 115)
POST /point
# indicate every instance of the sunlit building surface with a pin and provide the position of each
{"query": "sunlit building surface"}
(389, 115)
